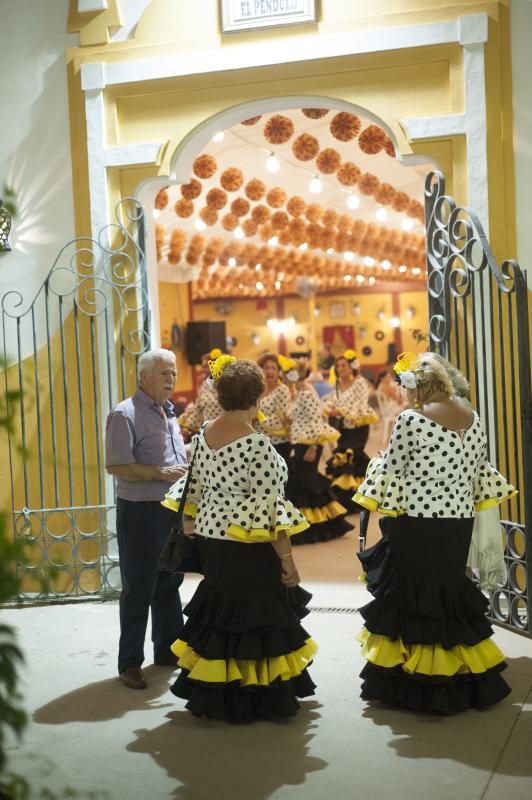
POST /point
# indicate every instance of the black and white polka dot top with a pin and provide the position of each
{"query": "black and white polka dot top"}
(352, 403)
(431, 471)
(275, 407)
(205, 408)
(236, 491)
(308, 423)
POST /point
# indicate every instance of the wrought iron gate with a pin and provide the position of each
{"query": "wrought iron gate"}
(478, 318)
(68, 358)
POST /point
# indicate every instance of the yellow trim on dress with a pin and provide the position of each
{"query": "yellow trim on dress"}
(324, 438)
(264, 535)
(347, 482)
(330, 511)
(191, 509)
(491, 502)
(372, 505)
(358, 422)
(272, 431)
(248, 672)
(429, 659)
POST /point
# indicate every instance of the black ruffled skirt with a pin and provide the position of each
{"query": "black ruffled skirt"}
(426, 637)
(348, 464)
(311, 493)
(243, 654)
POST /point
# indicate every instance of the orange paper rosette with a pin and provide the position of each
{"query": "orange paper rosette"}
(296, 206)
(276, 197)
(255, 189)
(251, 120)
(328, 160)
(368, 183)
(279, 129)
(184, 208)
(348, 173)
(161, 199)
(249, 227)
(208, 215)
(240, 207)
(345, 126)
(314, 113)
(314, 212)
(232, 179)
(372, 140)
(306, 147)
(261, 214)
(279, 220)
(191, 190)
(204, 166)
(216, 198)
(229, 222)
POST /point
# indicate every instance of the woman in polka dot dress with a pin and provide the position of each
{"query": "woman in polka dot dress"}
(307, 488)
(243, 653)
(274, 405)
(206, 405)
(349, 409)
(426, 637)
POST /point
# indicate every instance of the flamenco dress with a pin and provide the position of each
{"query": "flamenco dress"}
(243, 653)
(426, 638)
(275, 407)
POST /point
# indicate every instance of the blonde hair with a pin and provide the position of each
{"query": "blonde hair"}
(431, 378)
(459, 381)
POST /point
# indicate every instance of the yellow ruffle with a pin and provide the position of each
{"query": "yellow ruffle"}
(248, 672)
(274, 431)
(431, 659)
(330, 511)
(372, 505)
(264, 535)
(323, 438)
(347, 482)
(191, 509)
(368, 419)
(491, 502)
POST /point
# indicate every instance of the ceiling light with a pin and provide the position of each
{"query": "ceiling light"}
(240, 285)
(232, 262)
(415, 270)
(360, 278)
(371, 280)
(402, 268)
(259, 286)
(258, 267)
(315, 186)
(274, 240)
(369, 261)
(347, 278)
(330, 251)
(381, 214)
(407, 224)
(386, 264)
(280, 276)
(156, 213)
(273, 164)
(218, 137)
(200, 225)
(277, 284)
(238, 233)
(353, 201)
(303, 246)
(349, 256)
(395, 322)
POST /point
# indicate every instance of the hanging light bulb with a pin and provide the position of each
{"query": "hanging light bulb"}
(277, 284)
(259, 286)
(415, 270)
(381, 214)
(371, 280)
(273, 241)
(200, 225)
(395, 322)
(303, 246)
(156, 213)
(218, 137)
(238, 233)
(232, 262)
(280, 276)
(349, 256)
(353, 201)
(369, 261)
(361, 278)
(347, 278)
(402, 268)
(258, 267)
(272, 163)
(386, 264)
(315, 186)
(407, 224)
(330, 251)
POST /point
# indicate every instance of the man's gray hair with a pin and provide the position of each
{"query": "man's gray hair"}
(147, 360)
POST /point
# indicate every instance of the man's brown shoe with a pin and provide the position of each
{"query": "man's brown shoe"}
(133, 678)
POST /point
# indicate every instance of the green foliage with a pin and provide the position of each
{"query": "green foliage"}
(8, 201)
(419, 335)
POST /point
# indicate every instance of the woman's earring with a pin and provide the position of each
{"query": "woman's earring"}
(416, 403)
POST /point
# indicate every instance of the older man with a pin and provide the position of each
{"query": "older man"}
(145, 452)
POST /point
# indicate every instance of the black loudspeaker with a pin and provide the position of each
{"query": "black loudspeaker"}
(392, 353)
(202, 337)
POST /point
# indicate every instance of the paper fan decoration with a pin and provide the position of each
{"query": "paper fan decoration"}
(330, 218)
(279, 220)
(385, 194)
(328, 161)
(255, 189)
(250, 227)
(348, 174)
(205, 166)
(161, 199)
(232, 179)
(306, 147)
(400, 201)
(372, 140)
(314, 212)
(345, 126)
(368, 183)
(216, 198)
(388, 146)
(296, 206)
(229, 222)
(191, 190)
(276, 197)
(184, 208)
(251, 120)
(261, 214)
(208, 215)
(278, 129)
(315, 113)
(240, 207)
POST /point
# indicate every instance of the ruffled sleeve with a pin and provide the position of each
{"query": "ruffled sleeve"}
(173, 498)
(265, 514)
(490, 488)
(276, 408)
(383, 489)
(308, 426)
(354, 404)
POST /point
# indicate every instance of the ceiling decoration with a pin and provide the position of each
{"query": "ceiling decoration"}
(288, 235)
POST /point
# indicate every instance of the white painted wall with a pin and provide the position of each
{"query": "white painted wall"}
(34, 141)
(521, 29)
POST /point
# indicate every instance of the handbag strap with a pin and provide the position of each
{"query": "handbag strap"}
(181, 509)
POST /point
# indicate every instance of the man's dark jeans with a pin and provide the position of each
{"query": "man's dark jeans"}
(142, 529)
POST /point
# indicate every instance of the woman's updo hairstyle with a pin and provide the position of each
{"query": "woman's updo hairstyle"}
(431, 378)
(459, 381)
(302, 368)
(240, 385)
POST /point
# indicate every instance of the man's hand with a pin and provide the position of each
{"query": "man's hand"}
(310, 453)
(172, 474)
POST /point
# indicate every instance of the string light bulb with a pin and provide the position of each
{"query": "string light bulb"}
(349, 256)
(315, 186)
(381, 214)
(218, 137)
(200, 225)
(272, 163)
(353, 201)
(407, 224)
(156, 213)
(238, 233)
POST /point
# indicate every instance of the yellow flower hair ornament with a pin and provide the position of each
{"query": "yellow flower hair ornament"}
(288, 368)
(214, 354)
(217, 367)
(261, 416)
(405, 368)
(352, 357)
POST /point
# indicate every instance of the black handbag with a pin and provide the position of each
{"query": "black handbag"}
(180, 553)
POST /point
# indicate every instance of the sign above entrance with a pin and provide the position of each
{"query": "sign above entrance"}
(242, 15)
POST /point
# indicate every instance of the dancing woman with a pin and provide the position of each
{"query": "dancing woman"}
(307, 488)
(349, 410)
(426, 637)
(274, 405)
(206, 406)
(243, 654)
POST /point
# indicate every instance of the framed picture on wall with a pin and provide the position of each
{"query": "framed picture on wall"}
(337, 309)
